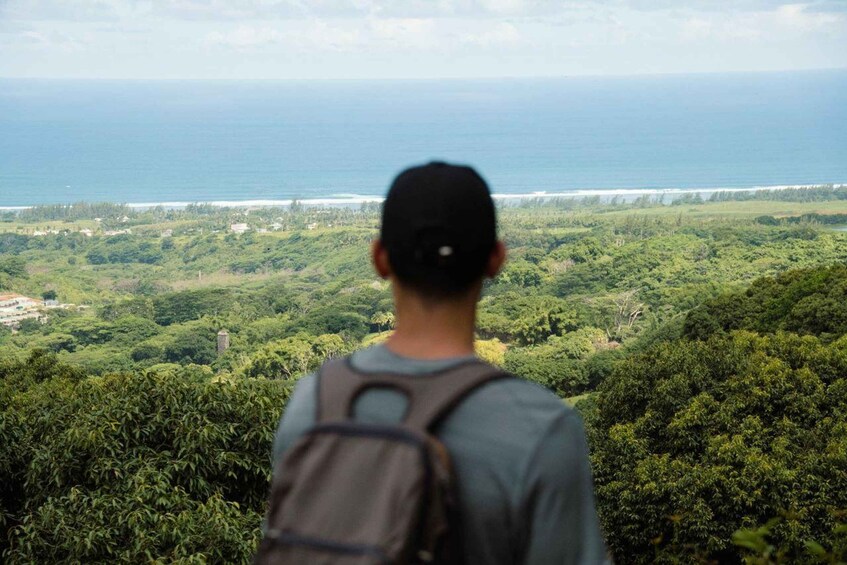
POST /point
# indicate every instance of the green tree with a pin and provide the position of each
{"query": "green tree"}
(295, 356)
(383, 320)
(135, 468)
(521, 273)
(192, 345)
(718, 434)
(13, 266)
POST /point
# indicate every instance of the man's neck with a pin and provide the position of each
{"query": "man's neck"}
(432, 330)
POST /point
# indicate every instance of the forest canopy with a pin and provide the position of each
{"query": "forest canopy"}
(704, 346)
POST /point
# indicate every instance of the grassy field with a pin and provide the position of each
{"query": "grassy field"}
(734, 209)
(728, 209)
(27, 228)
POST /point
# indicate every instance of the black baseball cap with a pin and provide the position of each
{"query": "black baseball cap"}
(439, 227)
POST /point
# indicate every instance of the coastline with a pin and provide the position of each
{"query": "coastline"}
(359, 199)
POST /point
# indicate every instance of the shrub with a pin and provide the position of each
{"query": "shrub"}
(696, 439)
(132, 467)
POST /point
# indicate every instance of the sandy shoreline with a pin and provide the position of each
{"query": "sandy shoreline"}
(356, 199)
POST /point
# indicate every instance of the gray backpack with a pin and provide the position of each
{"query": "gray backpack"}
(350, 493)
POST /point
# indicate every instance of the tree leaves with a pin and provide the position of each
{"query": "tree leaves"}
(171, 466)
(723, 433)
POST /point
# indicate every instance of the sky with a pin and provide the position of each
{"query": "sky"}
(414, 39)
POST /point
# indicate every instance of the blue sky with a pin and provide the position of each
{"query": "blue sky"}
(393, 39)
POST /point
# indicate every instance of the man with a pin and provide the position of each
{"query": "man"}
(521, 461)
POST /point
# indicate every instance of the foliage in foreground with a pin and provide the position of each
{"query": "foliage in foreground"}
(758, 549)
(169, 466)
(696, 439)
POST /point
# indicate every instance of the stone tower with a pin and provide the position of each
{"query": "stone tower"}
(223, 341)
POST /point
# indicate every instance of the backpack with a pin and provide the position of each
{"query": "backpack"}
(350, 493)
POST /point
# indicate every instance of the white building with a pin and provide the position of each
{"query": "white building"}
(239, 228)
(16, 307)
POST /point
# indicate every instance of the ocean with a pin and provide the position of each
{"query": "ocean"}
(218, 141)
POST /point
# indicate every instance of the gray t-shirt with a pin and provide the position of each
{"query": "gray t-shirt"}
(524, 482)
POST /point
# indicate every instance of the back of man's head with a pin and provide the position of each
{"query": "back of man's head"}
(439, 228)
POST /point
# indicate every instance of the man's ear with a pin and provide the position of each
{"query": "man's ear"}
(496, 260)
(379, 258)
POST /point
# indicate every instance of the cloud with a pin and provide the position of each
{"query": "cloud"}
(43, 39)
(517, 7)
(783, 20)
(405, 38)
(695, 29)
(501, 34)
(371, 35)
(743, 28)
(244, 37)
(714, 6)
(406, 33)
(72, 10)
(331, 37)
(257, 9)
(242, 10)
(317, 36)
(799, 16)
(331, 9)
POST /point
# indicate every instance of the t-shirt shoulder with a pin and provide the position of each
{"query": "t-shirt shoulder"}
(513, 401)
(511, 398)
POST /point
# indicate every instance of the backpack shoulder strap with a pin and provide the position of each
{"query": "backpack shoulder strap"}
(438, 394)
(430, 396)
(338, 386)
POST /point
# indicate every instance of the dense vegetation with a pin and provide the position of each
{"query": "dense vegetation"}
(696, 439)
(162, 465)
(802, 301)
(706, 348)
